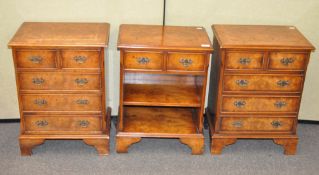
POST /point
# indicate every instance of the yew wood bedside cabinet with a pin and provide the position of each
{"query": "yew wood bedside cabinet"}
(162, 84)
(256, 85)
(60, 81)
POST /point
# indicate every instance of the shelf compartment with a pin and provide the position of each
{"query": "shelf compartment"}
(161, 95)
(159, 121)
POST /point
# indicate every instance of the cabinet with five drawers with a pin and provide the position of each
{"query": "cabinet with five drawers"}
(256, 85)
(60, 81)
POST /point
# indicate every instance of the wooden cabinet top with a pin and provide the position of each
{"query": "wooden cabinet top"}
(260, 36)
(163, 37)
(51, 34)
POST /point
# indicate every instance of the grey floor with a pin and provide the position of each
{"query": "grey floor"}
(160, 156)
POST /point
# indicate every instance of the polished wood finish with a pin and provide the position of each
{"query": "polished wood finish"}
(260, 37)
(259, 82)
(162, 84)
(257, 79)
(60, 83)
(175, 62)
(161, 95)
(89, 59)
(31, 81)
(143, 60)
(61, 34)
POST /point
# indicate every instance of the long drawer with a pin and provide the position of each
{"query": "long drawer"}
(280, 83)
(246, 104)
(257, 124)
(61, 102)
(59, 81)
(62, 124)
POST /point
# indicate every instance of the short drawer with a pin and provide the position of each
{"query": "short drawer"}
(59, 81)
(257, 124)
(244, 60)
(186, 62)
(81, 58)
(61, 102)
(288, 61)
(62, 124)
(35, 59)
(281, 83)
(143, 61)
(260, 104)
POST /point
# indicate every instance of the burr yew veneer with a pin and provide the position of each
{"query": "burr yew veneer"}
(60, 81)
(257, 79)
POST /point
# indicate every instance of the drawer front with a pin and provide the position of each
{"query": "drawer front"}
(260, 104)
(288, 61)
(65, 102)
(244, 60)
(257, 124)
(59, 123)
(143, 60)
(186, 62)
(263, 83)
(36, 59)
(80, 59)
(59, 81)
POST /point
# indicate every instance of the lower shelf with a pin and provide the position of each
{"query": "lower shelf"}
(159, 121)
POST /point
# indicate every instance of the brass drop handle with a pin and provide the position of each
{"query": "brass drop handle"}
(40, 102)
(240, 103)
(143, 60)
(186, 62)
(242, 83)
(37, 81)
(280, 104)
(80, 59)
(82, 102)
(81, 81)
(36, 59)
(287, 61)
(237, 124)
(283, 83)
(42, 123)
(244, 61)
(84, 123)
(276, 123)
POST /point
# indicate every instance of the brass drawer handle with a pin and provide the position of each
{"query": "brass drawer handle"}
(276, 123)
(242, 83)
(36, 59)
(82, 102)
(143, 60)
(283, 83)
(240, 103)
(37, 81)
(81, 81)
(237, 124)
(80, 59)
(186, 62)
(244, 61)
(84, 123)
(42, 123)
(40, 102)
(287, 61)
(280, 104)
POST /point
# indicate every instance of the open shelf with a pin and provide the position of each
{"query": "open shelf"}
(155, 121)
(161, 95)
